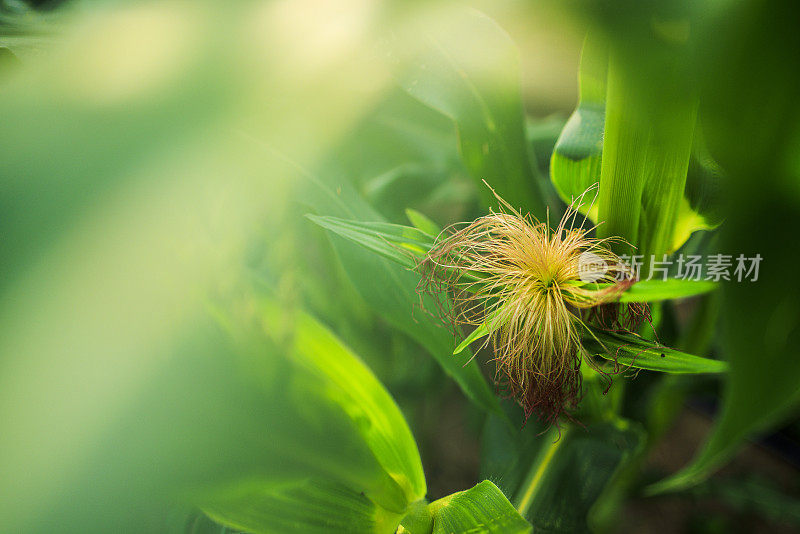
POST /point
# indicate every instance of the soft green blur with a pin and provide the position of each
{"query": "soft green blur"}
(157, 160)
(177, 335)
(140, 178)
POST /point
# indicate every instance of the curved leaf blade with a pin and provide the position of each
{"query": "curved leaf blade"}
(482, 509)
(361, 395)
(392, 241)
(576, 159)
(673, 288)
(639, 353)
(390, 289)
(422, 222)
(323, 388)
(307, 506)
(658, 290)
(468, 69)
(480, 332)
(555, 479)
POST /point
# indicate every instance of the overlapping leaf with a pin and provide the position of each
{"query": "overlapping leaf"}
(759, 320)
(468, 69)
(555, 479)
(389, 288)
(407, 245)
(626, 350)
(636, 192)
(482, 509)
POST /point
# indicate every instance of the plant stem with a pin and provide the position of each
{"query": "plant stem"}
(555, 437)
(418, 520)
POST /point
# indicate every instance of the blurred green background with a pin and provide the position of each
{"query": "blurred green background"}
(176, 335)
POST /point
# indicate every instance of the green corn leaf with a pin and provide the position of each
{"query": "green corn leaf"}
(482, 509)
(575, 162)
(632, 351)
(468, 69)
(398, 243)
(556, 478)
(658, 290)
(670, 209)
(422, 222)
(647, 146)
(361, 396)
(759, 320)
(324, 374)
(389, 288)
(304, 506)
(480, 332)
(490, 325)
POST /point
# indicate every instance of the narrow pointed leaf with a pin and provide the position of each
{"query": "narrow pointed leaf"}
(632, 351)
(478, 333)
(422, 222)
(390, 289)
(392, 241)
(493, 322)
(658, 290)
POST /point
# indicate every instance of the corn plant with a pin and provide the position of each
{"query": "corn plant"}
(246, 248)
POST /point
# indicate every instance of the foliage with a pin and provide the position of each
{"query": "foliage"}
(213, 218)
